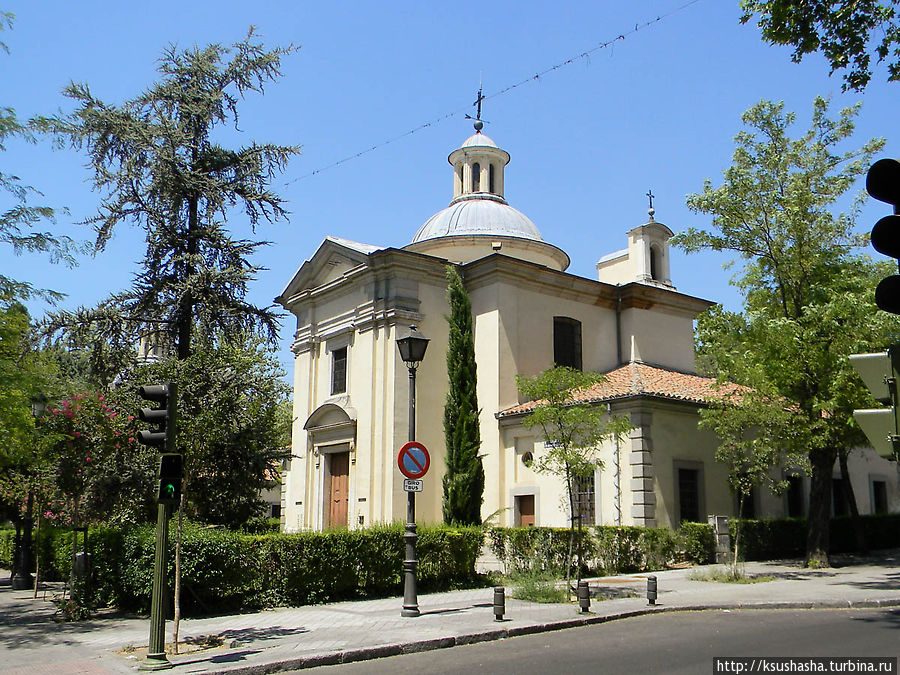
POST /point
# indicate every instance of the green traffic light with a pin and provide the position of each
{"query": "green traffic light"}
(170, 490)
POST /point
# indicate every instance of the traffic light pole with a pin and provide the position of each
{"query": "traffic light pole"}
(170, 470)
(156, 653)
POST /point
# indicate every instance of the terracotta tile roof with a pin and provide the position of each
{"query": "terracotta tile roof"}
(641, 379)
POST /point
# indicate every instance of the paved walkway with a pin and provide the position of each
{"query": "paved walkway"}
(289, 638)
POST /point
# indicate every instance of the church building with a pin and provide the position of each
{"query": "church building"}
(352, 301)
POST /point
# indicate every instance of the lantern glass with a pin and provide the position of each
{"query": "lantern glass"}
(38, 405)
(412, 347)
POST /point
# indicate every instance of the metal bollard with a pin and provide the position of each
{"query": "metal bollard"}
(584, 597)
(651, 590)
(499, 602)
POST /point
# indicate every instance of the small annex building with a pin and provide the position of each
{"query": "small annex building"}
(351, 302)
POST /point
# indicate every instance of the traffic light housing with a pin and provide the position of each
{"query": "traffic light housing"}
(880, 373)
(163, 415)
(170, 476)
(883, 184)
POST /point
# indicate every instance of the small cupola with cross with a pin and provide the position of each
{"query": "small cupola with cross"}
(478, 165)
(646, 260)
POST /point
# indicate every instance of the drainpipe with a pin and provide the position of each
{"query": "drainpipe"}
(619, 329)
(617, 478)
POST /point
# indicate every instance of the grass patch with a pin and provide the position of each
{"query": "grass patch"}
(728, 575)
(537, 588)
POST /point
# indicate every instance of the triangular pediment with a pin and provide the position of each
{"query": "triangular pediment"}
(334, 258)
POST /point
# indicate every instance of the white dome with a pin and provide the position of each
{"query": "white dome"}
(478, 140)
(478, 216)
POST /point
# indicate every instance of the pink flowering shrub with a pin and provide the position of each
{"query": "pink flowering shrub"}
(95, 468)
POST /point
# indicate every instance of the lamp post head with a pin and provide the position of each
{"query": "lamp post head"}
(38, 405)
(412, 347)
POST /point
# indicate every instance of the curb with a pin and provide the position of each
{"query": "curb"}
(395, 649)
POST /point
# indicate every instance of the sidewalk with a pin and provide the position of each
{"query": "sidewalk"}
(291, 638)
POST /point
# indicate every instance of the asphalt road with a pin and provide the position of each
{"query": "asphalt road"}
(681, 642)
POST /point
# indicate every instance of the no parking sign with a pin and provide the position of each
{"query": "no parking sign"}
(413, 460)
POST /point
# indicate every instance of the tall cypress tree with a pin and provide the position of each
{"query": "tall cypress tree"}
(464, 479)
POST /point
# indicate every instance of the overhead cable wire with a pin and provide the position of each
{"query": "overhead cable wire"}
(533, 78)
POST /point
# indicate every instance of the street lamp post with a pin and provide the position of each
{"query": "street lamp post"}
(412, 351)
(23, 579)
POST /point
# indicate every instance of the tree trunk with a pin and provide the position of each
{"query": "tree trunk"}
(571, 531)
(858, 534)
(817, 534)
(737, 532)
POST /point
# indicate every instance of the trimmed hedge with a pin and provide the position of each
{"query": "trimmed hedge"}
(772, 539)
(7, 540)
(227, 571)
(607, 549)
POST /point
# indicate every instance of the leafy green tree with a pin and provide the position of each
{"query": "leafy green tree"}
(752, 454)
(156, 165)
(572, 431)
(232, 424)
(808, 291)
(464, 480)
(846, 32)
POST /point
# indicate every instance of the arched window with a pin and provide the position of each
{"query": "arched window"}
(654, 263)
(476, 177)
(491, 179)
(567, 342)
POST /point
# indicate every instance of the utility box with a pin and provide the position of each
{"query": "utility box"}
(82, 564)
(723, 538)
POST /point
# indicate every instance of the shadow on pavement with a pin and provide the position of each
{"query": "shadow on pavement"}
(888, 582)
(259, 634)
(890, 617)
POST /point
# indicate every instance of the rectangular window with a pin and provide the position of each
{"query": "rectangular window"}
(339, 371)
(689, 495)
(839, 504)
(879, 496)
(748, 508)
(795, 497)
(585, 499)
(567, 342)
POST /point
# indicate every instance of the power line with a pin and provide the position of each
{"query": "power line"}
(533, 78)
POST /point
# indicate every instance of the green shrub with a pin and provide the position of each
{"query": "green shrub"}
(225, 571)
(606, 549)
(773, 539)
(537, 587)
(623, 549)
(528, 550)
(769, 539)
(696, 543)
(7, 541)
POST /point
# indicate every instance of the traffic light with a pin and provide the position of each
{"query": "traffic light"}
(880, 373)
(170, 475)
(883, 183)
(165, 396)
(163, 437)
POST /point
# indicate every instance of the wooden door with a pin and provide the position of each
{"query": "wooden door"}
(339, 488)
(526, 510)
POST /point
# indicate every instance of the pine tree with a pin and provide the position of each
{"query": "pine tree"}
(156, 165)
(464, 480)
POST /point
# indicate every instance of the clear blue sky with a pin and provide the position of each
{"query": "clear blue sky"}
(657, 110)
